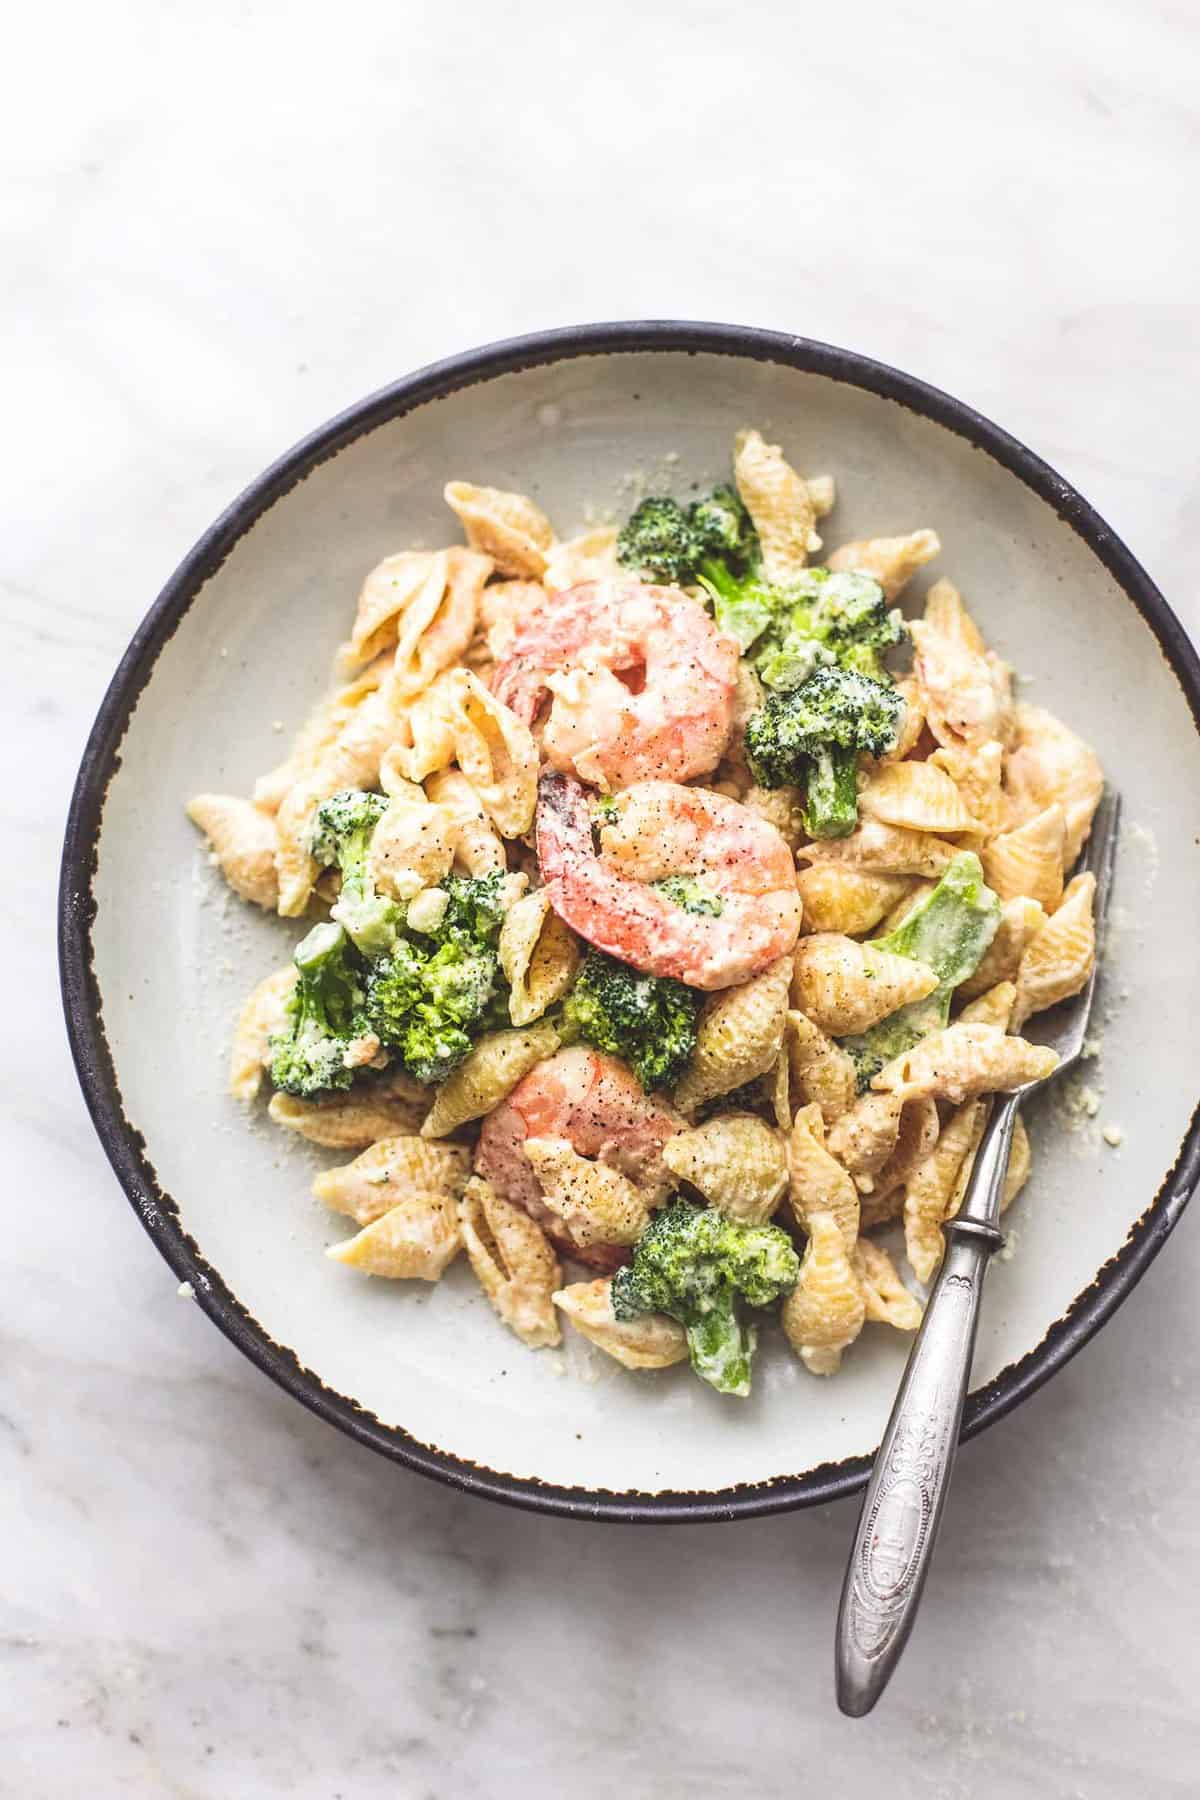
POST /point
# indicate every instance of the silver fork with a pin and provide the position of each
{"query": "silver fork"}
(906, 1495)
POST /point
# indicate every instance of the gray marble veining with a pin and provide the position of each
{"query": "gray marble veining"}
(224, 225)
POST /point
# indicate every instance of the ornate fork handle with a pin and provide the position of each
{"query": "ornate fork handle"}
(902, 1508)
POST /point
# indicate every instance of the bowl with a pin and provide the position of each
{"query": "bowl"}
(156, 955)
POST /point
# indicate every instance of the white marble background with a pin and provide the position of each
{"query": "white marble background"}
(221, 224)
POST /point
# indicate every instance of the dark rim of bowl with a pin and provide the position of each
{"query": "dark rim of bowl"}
(126, 1149)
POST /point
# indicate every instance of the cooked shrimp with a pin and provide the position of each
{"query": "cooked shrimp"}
(742, 869)
(600, 1109)
(642, 682)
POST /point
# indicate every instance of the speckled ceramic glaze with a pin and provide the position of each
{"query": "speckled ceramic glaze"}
(157, 955)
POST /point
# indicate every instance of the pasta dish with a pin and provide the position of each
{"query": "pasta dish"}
(672, 908)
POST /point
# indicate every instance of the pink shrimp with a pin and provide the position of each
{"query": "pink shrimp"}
(642, 682)
(745, 910)
(599, 1107)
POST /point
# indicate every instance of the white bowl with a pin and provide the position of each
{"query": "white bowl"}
(156, 955)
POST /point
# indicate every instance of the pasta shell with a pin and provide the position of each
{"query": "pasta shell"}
(412, 847)
(917, 1134)
(1020, 921)
(850, 901)
(737, 1162)
(821, 1071)
(824, 1312)
(965, 1060)
(917, 795)
(349, 1122)
(410, 584)
(478, 847)
(865, 1136)
(539, 956)
(650, 1341)
(817, 1182)
(1019, 1163)
(459, 721)
(946, 614)
(423, 651)
(1047, 764)
(596, 1203)
(966, 691)
(263, 1014)
(891, 561)
(295, 870)
(739, 1034)
(993, 1008)
(1061, 957)
(885, 849)
(592, 557)
(243, 841)
(930, 1187)
(512, 1258)
(415, 1240)
(392, 1170)
(844, 986)
(508, 528)
(977, 774)
(780, 504)
(1028, 862)
(887, 1300)
(487, 1075)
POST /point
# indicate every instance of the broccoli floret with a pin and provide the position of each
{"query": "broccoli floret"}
(474, 913)
(839, 616)
(649, 1021)
(721, 528)
(323, 1017)
(812, 736)
(693, 1263)
(949, 932)
(429, 997)
(666, 542)
(821, 616)
(341, 837)
(658, 542)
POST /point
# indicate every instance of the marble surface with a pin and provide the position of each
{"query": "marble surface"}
(227, 223)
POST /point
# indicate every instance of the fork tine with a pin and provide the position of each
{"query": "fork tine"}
(1100, 853)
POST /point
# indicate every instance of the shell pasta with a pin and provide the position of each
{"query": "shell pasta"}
(669, 908)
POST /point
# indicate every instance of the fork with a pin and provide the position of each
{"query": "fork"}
(906, 1495)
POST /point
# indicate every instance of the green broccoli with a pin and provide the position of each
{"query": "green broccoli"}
(433, 992)
(812, 735)
(323, 1017)
(666, 542)
(341, 837)
(648, 1021)
(693, 1263)
(838, 615)
(721, 528)
(474, 913)
(658, 542)
(949, 932)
